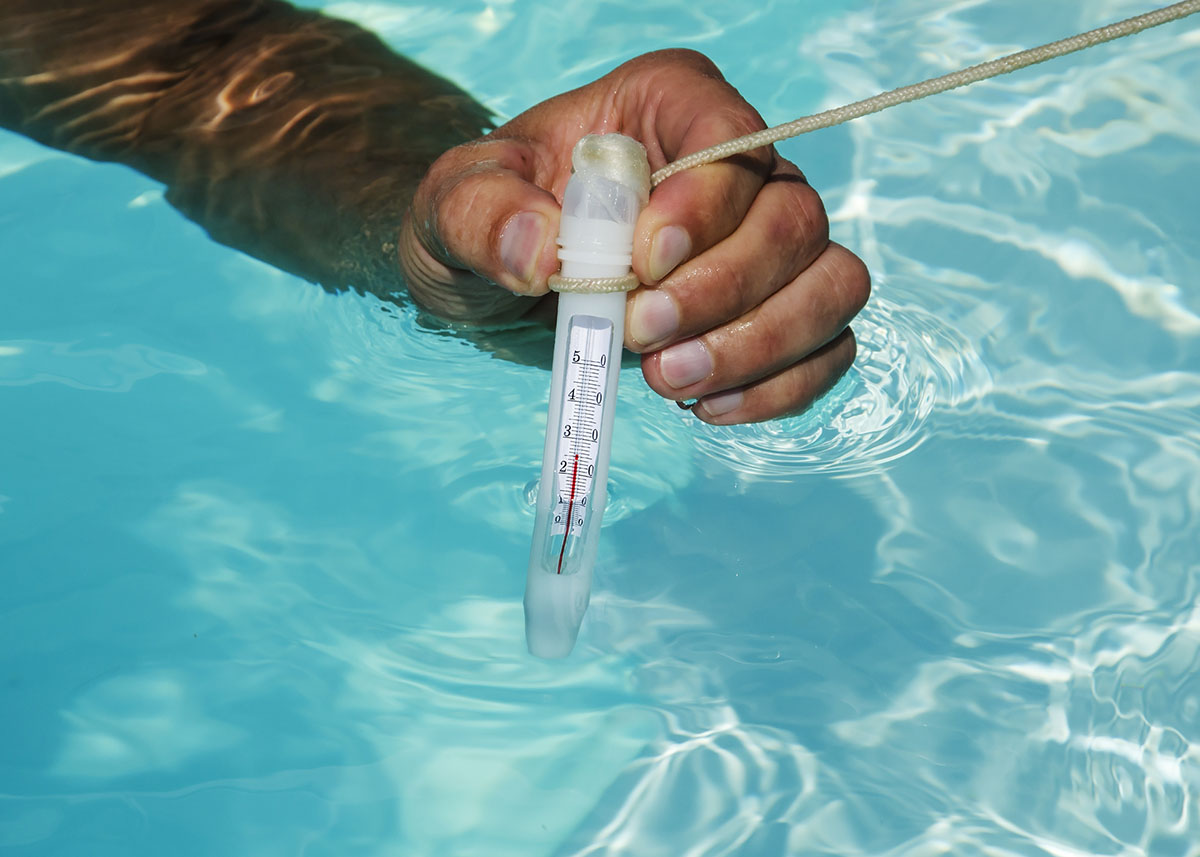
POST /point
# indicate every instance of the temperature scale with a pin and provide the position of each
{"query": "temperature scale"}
(589, 341)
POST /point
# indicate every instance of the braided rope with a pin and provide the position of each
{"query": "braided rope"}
(966, 76)
(600, 285)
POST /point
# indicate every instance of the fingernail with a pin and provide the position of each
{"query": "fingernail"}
(685, 364)
(521, 243)
(654, 318)
(721, 403)
(670, 246)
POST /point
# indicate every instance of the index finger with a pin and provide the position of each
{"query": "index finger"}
(698, 208)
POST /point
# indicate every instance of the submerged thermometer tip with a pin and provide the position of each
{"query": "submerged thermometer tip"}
(554, 610)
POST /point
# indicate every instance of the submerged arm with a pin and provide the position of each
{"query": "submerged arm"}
(297, 138)
(308, 143)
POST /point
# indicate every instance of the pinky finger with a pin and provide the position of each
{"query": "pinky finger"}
(784, 393)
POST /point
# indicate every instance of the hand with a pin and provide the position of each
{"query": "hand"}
(746, 302)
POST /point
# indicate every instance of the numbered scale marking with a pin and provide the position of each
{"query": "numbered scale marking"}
(579, 433)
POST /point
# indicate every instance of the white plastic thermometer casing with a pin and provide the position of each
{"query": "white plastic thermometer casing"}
(601, 204)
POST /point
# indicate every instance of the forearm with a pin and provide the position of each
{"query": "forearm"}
(293, 136)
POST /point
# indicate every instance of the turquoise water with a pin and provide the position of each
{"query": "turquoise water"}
(263, 547)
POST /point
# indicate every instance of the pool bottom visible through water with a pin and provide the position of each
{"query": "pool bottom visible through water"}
(264, 547)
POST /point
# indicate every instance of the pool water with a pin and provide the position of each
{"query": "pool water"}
(263, 547)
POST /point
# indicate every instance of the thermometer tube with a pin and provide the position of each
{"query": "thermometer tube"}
(600, 208)
(581, 417)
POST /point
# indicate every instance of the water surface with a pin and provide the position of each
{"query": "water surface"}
(264, 547)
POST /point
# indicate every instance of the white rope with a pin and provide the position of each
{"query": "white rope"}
(930, 87)
(600, 285)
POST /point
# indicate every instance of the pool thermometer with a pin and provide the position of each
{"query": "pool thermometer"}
(607, 190)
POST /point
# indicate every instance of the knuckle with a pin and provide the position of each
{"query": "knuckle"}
(738, 118)
(455, 172)
(859, 282)
(690, 58)
(721, 194)
(456, 198)
(738, 295)
(673, 67)
(716, 293)
(812, 209)
(443, 166)
(442, 173)
(774, 341)
(852, 278)
(801, 225)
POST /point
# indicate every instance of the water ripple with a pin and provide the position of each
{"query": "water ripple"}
(112, 369)
(909, 362)
(485, 443)
(986, 642)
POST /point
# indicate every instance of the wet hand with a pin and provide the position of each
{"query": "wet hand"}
(746, 303)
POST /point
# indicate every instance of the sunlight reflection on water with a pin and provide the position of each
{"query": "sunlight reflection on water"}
(266, 544)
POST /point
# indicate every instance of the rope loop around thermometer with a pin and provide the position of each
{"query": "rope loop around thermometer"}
(607, 190)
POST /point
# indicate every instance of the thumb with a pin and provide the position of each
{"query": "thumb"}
(477, 219)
